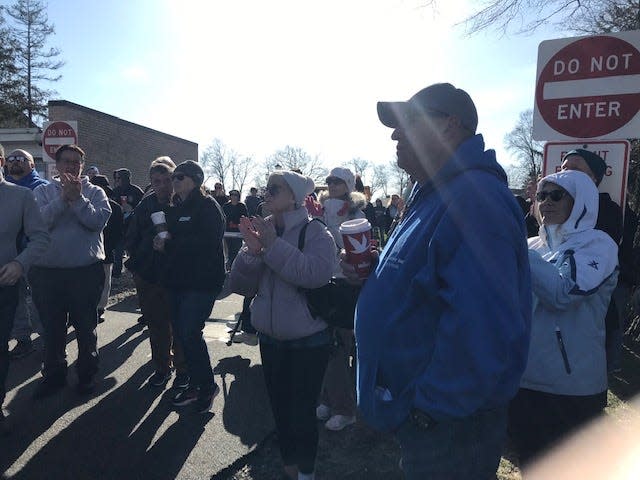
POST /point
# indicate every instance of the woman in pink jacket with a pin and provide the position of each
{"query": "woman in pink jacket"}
(293, 344)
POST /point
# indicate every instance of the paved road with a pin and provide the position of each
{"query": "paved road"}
(127, 429)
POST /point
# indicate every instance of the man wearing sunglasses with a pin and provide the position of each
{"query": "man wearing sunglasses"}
(20, 214)
(442, 324)
(21, 171)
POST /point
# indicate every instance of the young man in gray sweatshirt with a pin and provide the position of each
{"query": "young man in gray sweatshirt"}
(19, 214)
(67, 280)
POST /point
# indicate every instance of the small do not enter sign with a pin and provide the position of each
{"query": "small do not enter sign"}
(56, 134)
(588, 88)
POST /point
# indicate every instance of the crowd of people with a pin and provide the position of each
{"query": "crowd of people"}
(480, 318)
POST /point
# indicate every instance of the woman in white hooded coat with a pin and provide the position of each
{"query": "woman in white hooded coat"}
(574, 270)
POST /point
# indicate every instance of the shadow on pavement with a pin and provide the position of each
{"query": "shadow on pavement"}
(626, 383)
(29, 418)
(246, 403)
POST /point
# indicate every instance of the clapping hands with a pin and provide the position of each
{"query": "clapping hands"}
(71, 187)
(258, 234)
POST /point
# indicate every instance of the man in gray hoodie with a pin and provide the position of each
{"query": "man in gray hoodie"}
(67, 281)
(19, 214)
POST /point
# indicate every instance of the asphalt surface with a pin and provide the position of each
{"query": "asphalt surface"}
(127, 429)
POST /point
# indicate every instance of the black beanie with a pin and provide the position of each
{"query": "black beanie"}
(192, 170)
(596, 163)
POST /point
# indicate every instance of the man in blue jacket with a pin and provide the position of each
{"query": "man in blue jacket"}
(21, 171)
(442, 324)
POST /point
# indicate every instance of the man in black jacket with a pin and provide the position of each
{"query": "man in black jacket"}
(146, 265)
(128, 196)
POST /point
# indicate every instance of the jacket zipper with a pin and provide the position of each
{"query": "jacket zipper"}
(563, 351)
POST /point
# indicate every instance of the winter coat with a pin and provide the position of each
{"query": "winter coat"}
(337, 211)
(275, 277)
(442, 324)
(143, 259)
(573, 273)
(195, 260)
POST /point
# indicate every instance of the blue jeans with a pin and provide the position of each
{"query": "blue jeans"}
(191, 310)
(467, 448)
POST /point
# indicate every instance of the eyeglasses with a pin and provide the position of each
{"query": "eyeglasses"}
(178, 176)
(16, 158)
(273, 190)
(554, 195)
(334, 181)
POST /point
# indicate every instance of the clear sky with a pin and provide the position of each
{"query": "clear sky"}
(261, 74)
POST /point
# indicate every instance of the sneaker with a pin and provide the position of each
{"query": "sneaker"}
(185, 397)
(205, 400)
(181, 382)
(49, 386)
(22, 349)
(338, 422)
(159, 379)
(323, 412)
(246, 338)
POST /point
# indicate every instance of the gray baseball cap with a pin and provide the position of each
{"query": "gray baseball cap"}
(439, 98)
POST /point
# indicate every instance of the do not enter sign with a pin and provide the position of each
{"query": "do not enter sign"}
(55, 134)
(588, 87)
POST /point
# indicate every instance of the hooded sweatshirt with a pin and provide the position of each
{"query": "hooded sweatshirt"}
(30, 181)
(573, 273)
(442, 325)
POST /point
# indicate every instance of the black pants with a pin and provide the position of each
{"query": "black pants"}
(8, 304)
(68, 295)
(245, 316)
(537, 420)
(294, 377)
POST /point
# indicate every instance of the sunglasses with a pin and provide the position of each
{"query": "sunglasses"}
(334, 181)
(273, 190)
(554, 195)
(178, 176)
(16, 158)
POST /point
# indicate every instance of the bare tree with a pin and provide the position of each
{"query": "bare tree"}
(380, 180)
(217, 161)
(528, 151)
(399, 179)
(289, 158)
(241, 169)
(525, 16)
(30, 31)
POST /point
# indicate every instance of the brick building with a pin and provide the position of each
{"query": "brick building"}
(111, 143)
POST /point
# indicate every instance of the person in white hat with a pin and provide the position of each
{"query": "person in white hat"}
(337, 400)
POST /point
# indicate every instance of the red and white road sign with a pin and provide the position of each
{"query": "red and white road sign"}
(55, 134)
(588, 87)
(614, 153)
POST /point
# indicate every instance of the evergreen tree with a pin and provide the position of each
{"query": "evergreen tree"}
(35, 61)
(10, 95)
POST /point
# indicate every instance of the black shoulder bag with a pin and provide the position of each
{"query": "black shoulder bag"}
(336, 301)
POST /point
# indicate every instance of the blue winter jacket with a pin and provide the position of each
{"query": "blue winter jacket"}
(442, 325)
(30, 181)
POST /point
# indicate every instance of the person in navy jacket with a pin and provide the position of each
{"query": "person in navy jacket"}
(442, 323)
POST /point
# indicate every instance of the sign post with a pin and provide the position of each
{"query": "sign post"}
(615, 154)
(588, 87)
(55, 134)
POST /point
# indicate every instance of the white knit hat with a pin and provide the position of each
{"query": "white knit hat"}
(300, 185)
(346, 176)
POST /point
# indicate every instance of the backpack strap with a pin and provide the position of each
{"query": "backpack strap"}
(303, 232)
